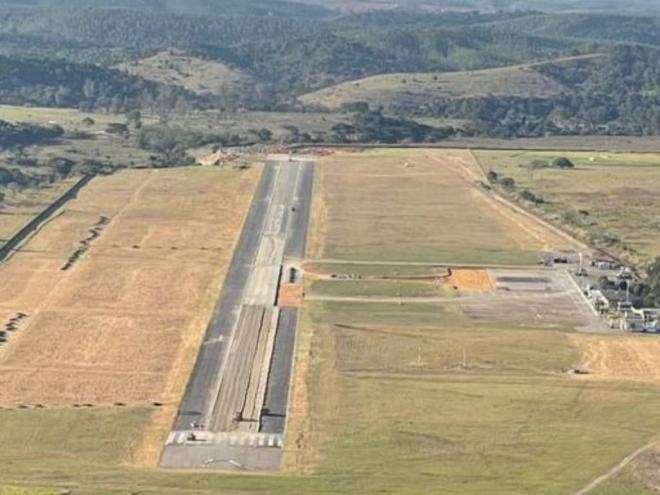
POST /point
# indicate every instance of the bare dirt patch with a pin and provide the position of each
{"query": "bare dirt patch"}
(290, 295)
(625, 357)
(471, 280)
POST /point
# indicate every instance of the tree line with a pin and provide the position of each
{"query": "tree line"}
(22, 134)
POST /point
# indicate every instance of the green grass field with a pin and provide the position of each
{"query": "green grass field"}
(406, 417)
(618, 191)
(378, 209)
(13, 490)
(372, 269)
(377, 289)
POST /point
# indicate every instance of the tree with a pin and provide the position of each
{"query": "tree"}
(117, 128)
(134, 118)
(265, 135)
(563, 163)
(508, 183)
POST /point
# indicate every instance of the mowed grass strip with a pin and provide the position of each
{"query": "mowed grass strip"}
(412, 205)
(85, 452)
(388, 288)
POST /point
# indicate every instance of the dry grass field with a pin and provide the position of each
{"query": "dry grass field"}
(122, 325)
(412, 90)
(618, 191)
(409, 398)
(631, 358)
(417, 205)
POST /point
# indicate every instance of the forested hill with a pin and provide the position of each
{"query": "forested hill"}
(288, 56)
(70, 57)
(281, 8)
(618, 28)
(65, 84)
(325, 8)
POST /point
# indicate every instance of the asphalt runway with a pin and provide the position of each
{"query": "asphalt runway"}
(296, 242)
(195, 406)
(277, 392)
(253, 322)
(246, 357)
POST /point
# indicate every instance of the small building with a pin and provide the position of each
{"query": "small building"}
(605, 264)
(597, 299)
(608, 299)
